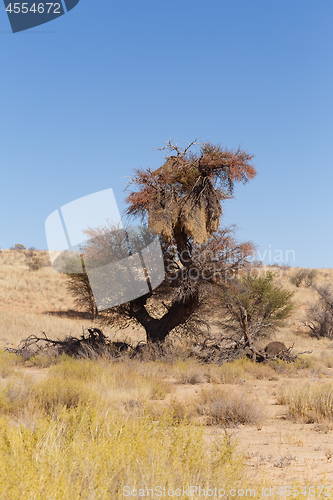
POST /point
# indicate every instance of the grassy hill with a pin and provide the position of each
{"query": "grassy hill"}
(35, 301)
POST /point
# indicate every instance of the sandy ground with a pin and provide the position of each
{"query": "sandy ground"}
(278, 451)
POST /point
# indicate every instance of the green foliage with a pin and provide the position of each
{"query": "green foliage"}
(266, 304)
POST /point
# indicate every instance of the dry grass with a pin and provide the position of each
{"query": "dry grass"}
(308, 402)
(86, 430)
(32, 302)
(87, 454)
(225, 408)
(189, 372)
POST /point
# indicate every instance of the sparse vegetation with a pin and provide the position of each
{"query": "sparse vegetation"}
(308, 402)
(36, 260)
(305, 276)
(95, 416)
(320, 315)
(221, 407)
(18, 247)
(41, 415)
(99, 454)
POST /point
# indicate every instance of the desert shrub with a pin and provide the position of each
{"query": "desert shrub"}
(238, 371)
(306, 276)
(310, 277)
(8, 362)
(228, 408)
(73, 383)
(36, 260)
(171, 351)
(189, 372)
(55, 393)
(327, 359)
(267, 305)
(297, 278)
(181, 411)
(319, 318)
(35, 263)
(309, 402)
(259, 371)
(78, 369)
(227, 373)
(43, 360)
(18, 247)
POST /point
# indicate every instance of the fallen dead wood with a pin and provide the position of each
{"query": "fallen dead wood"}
(91, 343)
(218, 351)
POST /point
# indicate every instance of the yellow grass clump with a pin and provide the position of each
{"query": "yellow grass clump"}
(308, 402)
(84, 454)
(77, 433)
(228, 408)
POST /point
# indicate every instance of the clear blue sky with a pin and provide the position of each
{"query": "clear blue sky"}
(86, 98)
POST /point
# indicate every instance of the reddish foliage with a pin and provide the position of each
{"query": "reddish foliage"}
(181, 173)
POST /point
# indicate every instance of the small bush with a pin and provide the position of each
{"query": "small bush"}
(305, 365)
(53, 394)
(7, 363)
(267, 305)
(43, 360)
(297, 278)
(35, 260)
(320, 316)
(310, 277)
(181, 411)
(18, 247)
(327, 358)
(226, 408)
(78, 369)
(306, 276)
(259, 371)
(189, 373)
(228, 373)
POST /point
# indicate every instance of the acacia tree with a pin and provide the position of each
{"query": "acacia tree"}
(181, 201)
(256, 306)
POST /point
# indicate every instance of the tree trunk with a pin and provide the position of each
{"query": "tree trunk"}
(247, 337)
(158, 329)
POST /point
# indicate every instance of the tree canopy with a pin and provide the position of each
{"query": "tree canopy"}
(181, 201)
